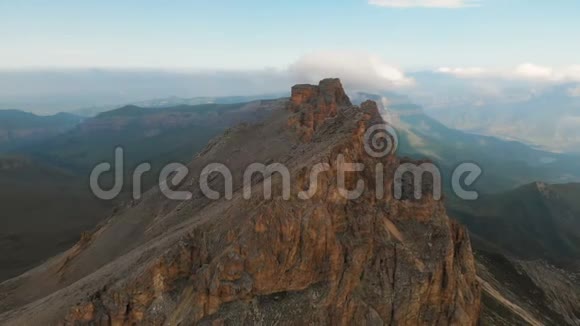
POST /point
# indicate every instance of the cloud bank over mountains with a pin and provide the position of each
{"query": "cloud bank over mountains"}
(525, 71)
(358, 71)
(450, 4)
(70, 89)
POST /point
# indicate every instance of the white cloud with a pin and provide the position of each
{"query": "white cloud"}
(453, 4)
(541, 73)
(572, 73)
(525, 71)
(532, 71)
(463, 72)
(358, 71)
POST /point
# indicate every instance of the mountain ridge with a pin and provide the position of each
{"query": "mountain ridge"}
(324, 260)
(20, 128)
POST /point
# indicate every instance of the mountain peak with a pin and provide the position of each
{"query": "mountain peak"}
(328, 92)
(316, 103)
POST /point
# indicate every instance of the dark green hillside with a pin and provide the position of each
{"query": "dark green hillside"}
(505, 164)
(533, 221)
(45, 197)
(44, 211)
(19, 128)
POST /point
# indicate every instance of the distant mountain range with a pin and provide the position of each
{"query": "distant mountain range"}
(548, 118)
(146, 134)
(505, 164)
(172, 101)
(161, 133)
(53, 171)
(18, 128)
(541, 114)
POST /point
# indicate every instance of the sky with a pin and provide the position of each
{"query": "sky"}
(69, 54)
(266, 34)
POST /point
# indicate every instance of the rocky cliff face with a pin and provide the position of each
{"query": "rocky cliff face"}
(372, 260)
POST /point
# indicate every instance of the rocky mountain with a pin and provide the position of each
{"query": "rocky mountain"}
(19, 128)
(323, 260)
(525, 239)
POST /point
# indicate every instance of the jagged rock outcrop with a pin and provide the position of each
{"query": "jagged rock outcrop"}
(372, 260)
(314, 104)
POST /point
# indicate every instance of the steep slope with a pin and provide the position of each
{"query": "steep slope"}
(52, 172)
(156, 135)
(517, 292)
(44, 211)
(325, 260)
(528, 247)
(536, 221)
